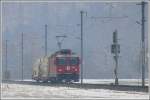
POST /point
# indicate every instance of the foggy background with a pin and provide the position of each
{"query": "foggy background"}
(64, 19)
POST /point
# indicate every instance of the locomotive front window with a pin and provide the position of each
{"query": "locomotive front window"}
(61, 61)
(74, 61)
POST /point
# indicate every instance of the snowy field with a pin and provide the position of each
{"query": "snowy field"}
(132, 82)
(51, 92)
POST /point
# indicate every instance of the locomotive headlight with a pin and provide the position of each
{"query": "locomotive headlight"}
(76, 69)
(59, 70)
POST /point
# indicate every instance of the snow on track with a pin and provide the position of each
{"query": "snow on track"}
(50, 92)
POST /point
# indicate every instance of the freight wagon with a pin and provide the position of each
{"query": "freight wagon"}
(62, 66)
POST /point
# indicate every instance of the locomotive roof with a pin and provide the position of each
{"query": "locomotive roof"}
(59, 54)
(72, 55)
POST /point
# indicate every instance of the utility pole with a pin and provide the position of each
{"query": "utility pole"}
(22, 55)
(6, 71)
(45, 39)
(143, 42)
(81, 13)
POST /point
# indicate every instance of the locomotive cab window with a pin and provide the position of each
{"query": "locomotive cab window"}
(74, 61)
(61, 61)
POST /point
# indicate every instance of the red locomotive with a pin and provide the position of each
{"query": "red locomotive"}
(62, 66)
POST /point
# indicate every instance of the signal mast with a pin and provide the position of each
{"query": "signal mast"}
(115, 49)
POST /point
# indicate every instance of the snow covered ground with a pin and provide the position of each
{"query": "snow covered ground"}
(132, 82)
(51, 92)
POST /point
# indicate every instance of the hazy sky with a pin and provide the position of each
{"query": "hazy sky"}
(64, 19)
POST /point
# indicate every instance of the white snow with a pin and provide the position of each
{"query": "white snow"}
(51, 92)
(132, 82)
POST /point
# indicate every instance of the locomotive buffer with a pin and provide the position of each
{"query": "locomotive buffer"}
(115, 50)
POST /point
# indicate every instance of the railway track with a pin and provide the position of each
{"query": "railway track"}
(84, 86)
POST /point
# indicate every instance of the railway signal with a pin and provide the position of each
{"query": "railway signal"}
(115, 49)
